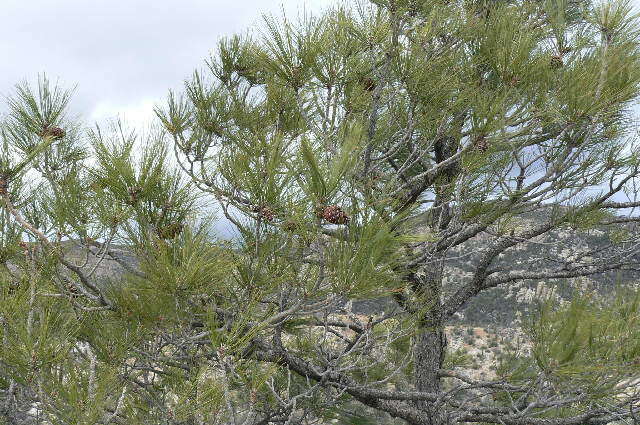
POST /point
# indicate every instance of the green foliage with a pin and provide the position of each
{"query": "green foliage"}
(362, 265)
(457, 358)
(589, 337)
(147, 196)
(588, 344)
(325, 143)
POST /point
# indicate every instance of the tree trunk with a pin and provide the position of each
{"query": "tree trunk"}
(430, 340)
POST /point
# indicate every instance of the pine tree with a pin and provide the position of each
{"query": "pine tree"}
(356, 155)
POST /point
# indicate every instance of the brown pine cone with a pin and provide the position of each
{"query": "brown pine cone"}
(556, 62)
(73, 291)
(4, 185)
(481, 144)
(134, 193)
(290, 226)
(514, 81)
(212, 127)
(170, 231)
(368, 84)
(265, 213)
(53, 132)
(335, 215)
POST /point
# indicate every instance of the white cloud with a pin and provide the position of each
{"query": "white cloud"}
(136, 115)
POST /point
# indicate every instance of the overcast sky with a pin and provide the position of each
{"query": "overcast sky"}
(123, 55)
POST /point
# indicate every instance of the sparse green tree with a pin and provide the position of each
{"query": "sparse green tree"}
(355, 155)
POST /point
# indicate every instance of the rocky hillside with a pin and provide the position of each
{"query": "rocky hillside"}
(506, 305)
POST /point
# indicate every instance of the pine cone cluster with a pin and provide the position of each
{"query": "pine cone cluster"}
(334, 214)
(556, 62)
(265, 213)
(54, 132)
(134, 194)
(297, 77)
(290, 226)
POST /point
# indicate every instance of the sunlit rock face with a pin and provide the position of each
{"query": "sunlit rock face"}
(106, 268)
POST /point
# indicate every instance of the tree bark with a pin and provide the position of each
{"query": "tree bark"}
(430, 340)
